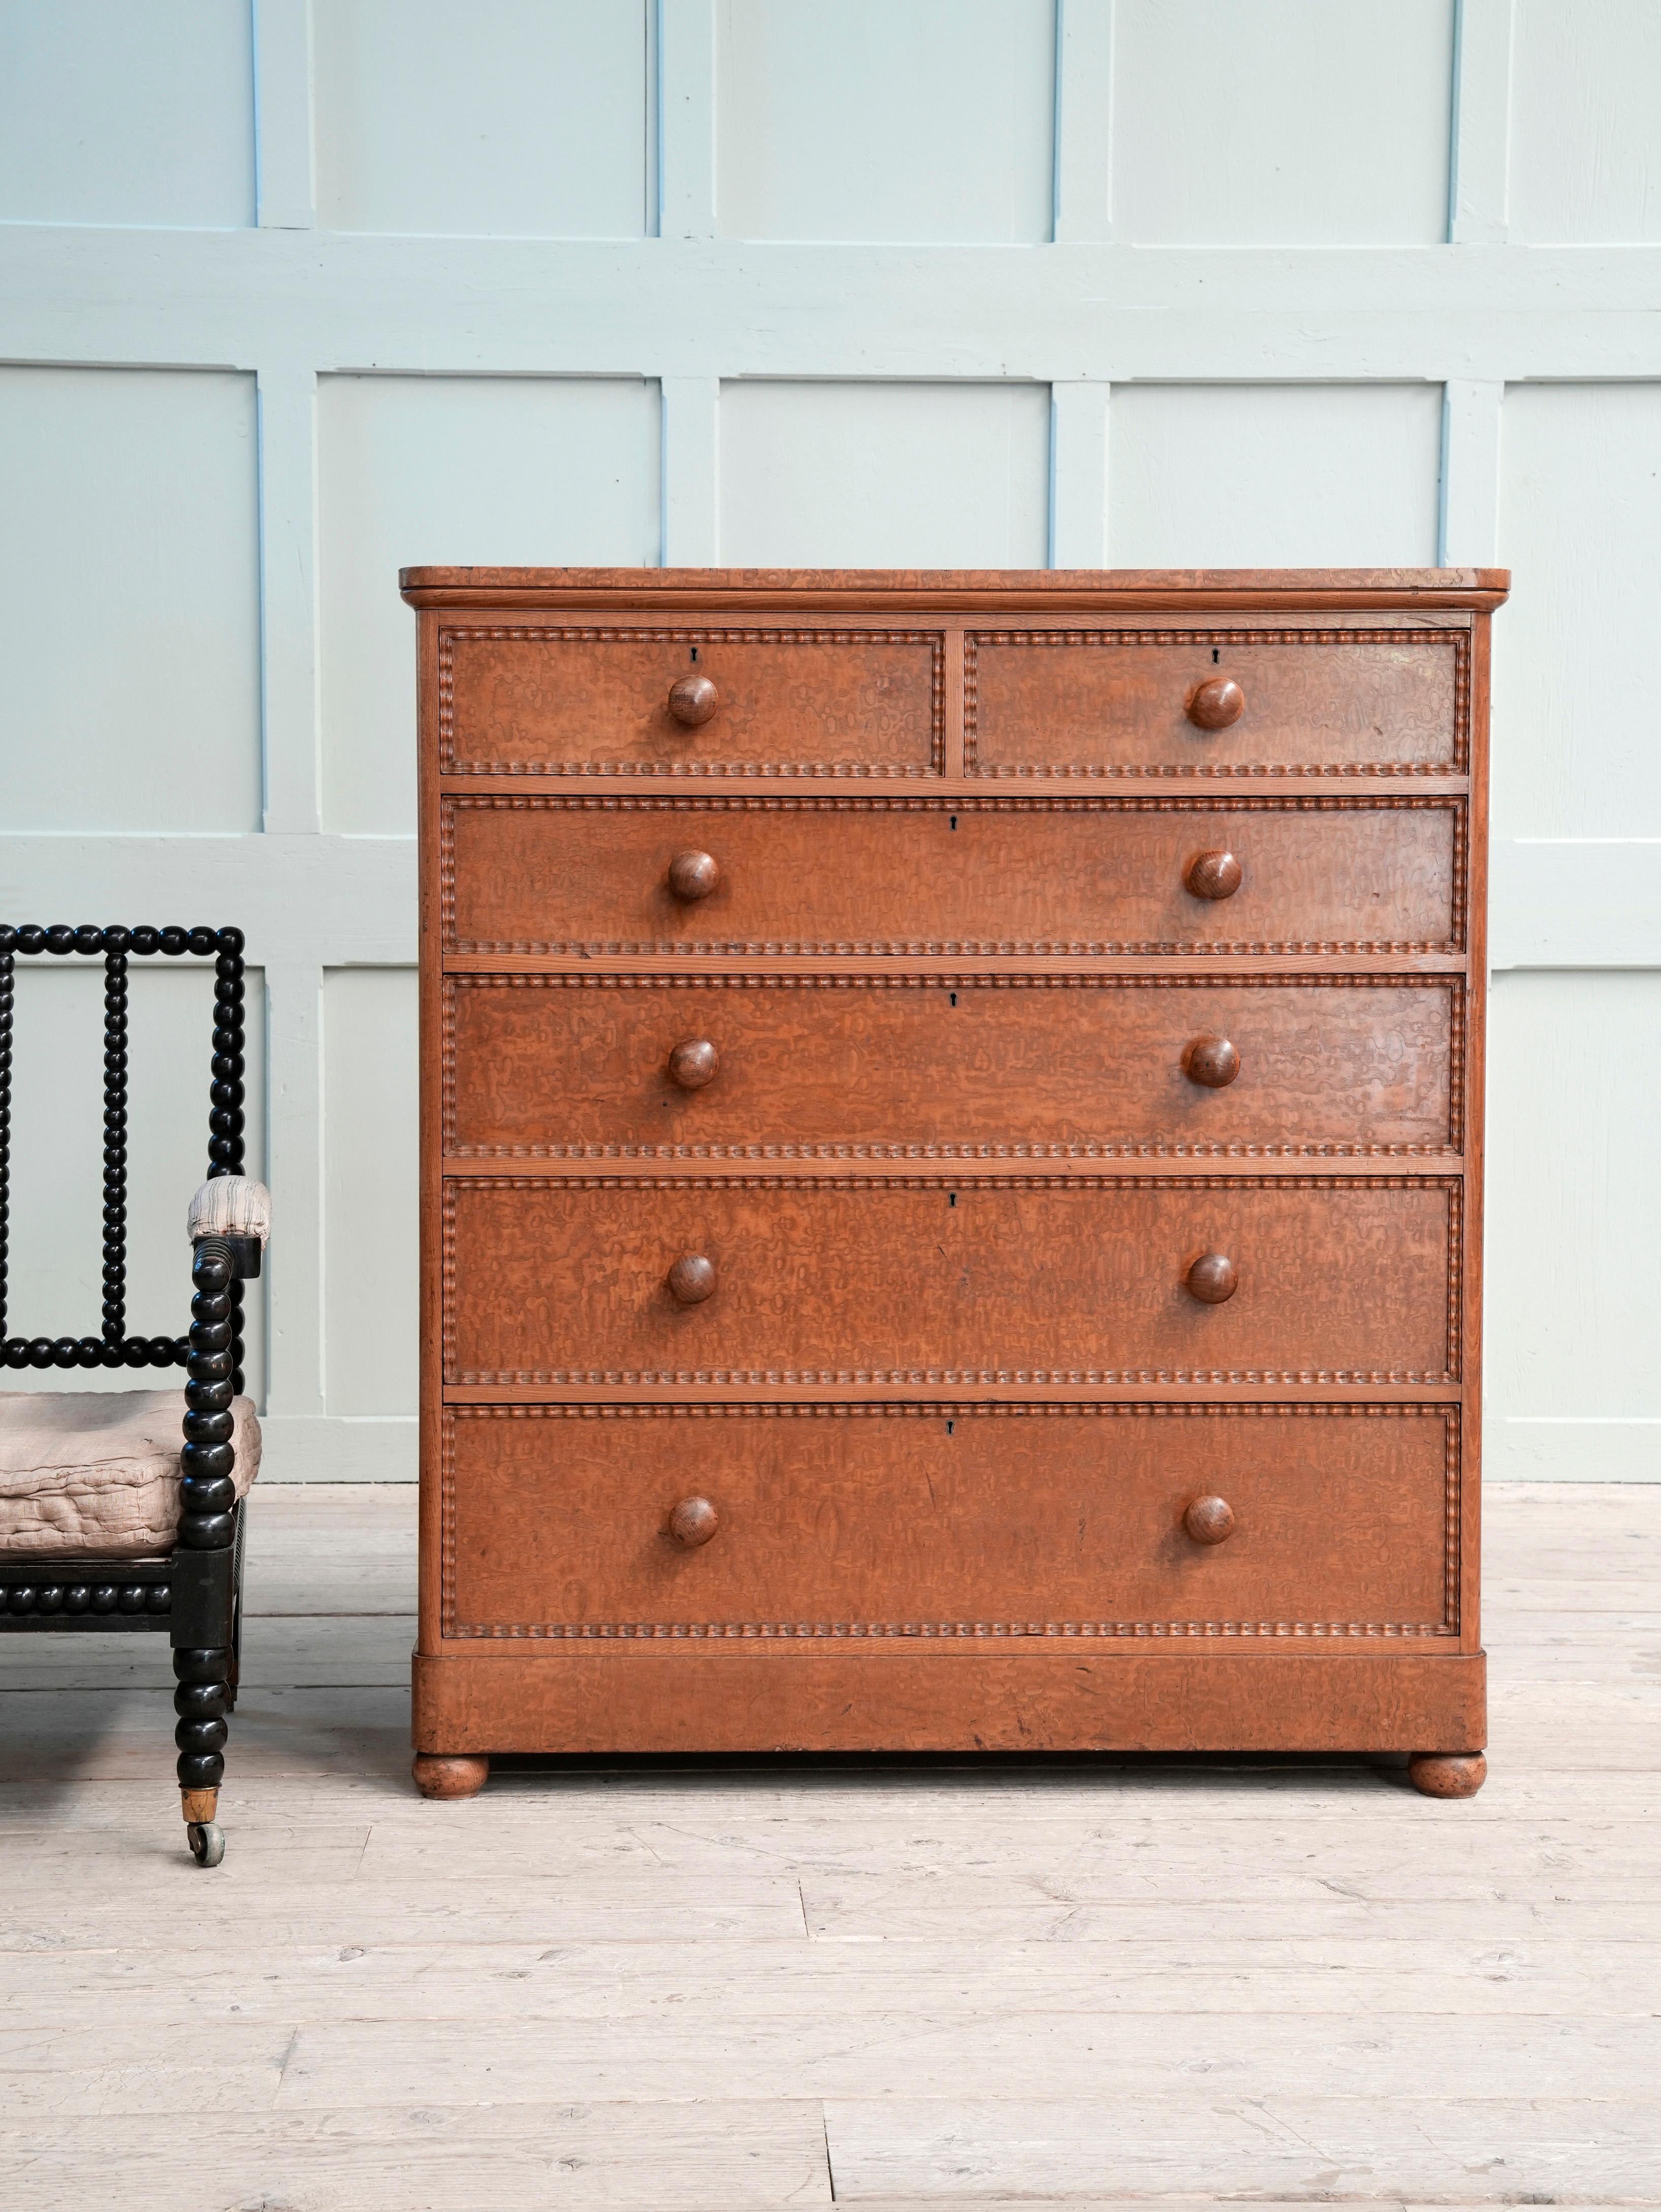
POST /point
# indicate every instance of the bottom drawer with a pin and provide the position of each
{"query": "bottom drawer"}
(880, 1522)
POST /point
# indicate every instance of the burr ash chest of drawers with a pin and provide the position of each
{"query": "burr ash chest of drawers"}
(952, 1143)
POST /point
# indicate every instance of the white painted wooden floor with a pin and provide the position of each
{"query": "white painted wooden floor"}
(1138, 1982)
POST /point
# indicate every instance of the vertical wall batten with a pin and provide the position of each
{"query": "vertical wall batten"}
(1084, 120)
(1479, 171)
(686, 118)
(284, 168)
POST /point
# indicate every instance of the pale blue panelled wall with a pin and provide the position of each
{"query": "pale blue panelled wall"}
(294, 293)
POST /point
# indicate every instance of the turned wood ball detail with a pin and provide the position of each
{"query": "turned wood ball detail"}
(1447, 1773)
(692, 1279)
(693, 700)
(693, 1522)
(1214, 876)
(1212, 1279)
(1212, 1062)
(693, 1063)
(1216, 703)
(453, 1777)
(693, 875)
(1209, 1519)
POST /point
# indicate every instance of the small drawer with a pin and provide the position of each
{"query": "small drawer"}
(773, 1280)
(821, 1067)
(992, 876)
(880, 1522)
(1084, 703)
(691, 701)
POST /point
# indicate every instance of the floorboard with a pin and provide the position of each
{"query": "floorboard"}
(1103, 1985)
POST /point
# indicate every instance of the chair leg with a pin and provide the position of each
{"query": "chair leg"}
(206, 1560)
(201, 1699)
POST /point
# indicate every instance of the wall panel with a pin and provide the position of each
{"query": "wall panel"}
(867, 120)
(1303, 123)
(1298, 476)
(1574, 1372)
(371, 1247)
(454, 469)
(56, 1254)
(111, 113)
(1259, 339)
(1575, 754)
(1585, 162)
(519, 118)
(130, 600)
(885, 475)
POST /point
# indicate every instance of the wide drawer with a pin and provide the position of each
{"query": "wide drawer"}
(972, 875)
(525, 700)
(822, 1065)
(1049, 702)
(1062, 1279)
(889, 1523)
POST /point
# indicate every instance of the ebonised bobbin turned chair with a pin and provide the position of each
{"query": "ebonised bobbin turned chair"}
(106, 1522)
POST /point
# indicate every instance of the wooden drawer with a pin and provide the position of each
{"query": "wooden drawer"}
(999, 876)
(955, 1522)
(1064, 1279)
(825, 1066)
(1128, 702)
(582, 701)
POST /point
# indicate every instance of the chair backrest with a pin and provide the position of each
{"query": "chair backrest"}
(112, 1347)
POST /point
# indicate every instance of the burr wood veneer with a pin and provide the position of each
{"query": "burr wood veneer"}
(951, 1122)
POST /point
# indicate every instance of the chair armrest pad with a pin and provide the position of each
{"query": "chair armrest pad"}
(231, 1205)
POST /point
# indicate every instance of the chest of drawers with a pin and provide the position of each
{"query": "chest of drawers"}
(950, 1163)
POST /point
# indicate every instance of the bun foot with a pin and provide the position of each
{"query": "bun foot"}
(1447, 1773)
(437, 1776)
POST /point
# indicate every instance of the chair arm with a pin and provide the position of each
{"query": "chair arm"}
(239, 1209)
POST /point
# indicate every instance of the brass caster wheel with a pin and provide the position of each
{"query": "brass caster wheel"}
(207, 1842)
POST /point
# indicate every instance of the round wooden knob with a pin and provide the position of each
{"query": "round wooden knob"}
(1212, 1279)
(1214, 705)
(695, 875)
(692, 1279)
(1214, 876)
(1208, 1520)
(695, 1521)
(1212, 1062)
(694, 699)
(695, 1062)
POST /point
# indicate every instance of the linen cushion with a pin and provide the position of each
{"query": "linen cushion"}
(95, 1474)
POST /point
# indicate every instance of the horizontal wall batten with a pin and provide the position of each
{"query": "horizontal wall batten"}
(341, 901)
(340, 301)
(327, 902)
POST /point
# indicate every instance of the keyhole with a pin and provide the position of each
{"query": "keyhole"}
(951, 1428)
(1215, 656)
(952, 1200)
(954, 822)
(954, 998)
(695, 654)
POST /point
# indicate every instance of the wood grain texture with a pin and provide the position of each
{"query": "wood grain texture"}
(951, 1064)
(904, 1696)
(580, 700)
(967, 1524)
(1074, 1279)
(1106, 704)
(987, 876)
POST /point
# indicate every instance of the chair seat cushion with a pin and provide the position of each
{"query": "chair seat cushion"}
(94, 1474)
